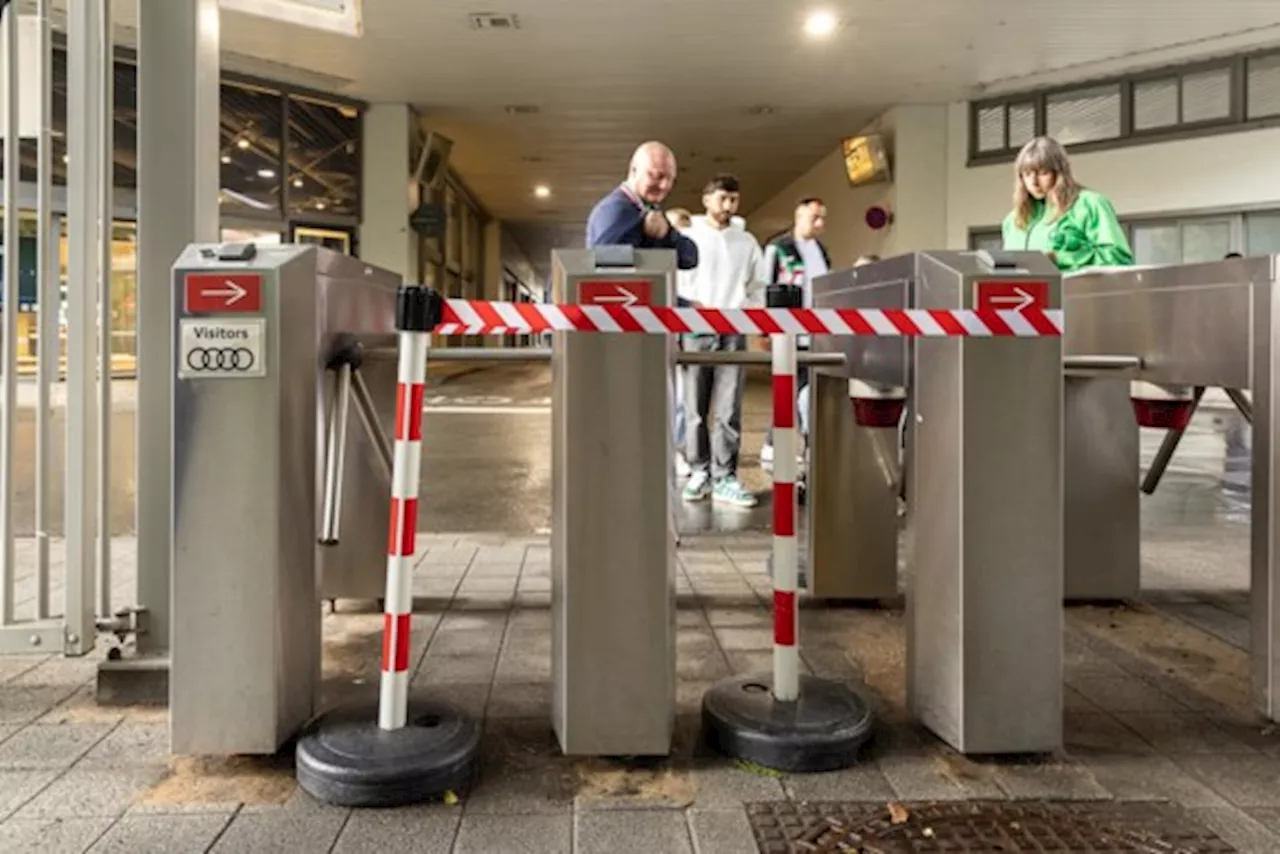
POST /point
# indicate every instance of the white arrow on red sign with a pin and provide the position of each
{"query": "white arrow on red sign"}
(230, 293)
(1018, 300)
(622, 296)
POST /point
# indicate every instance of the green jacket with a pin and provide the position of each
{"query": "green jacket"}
(1087, 235)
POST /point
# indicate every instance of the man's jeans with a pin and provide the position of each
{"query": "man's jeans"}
(718, 388)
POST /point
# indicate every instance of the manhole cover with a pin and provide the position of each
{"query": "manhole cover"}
(980, 826)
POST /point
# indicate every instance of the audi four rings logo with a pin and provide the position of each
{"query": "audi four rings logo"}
(220, 359)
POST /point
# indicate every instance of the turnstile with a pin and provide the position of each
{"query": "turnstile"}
(984, 569)
(612, 550)
(253, 331)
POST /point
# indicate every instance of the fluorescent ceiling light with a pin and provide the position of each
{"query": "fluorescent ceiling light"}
(336, 16)
(266, 173)
(820, 24)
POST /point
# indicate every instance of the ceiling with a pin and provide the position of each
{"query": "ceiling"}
(604, 75)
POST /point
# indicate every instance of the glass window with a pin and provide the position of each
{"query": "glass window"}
(1084, 115)
(1155, 104)
(252, 125)
(1262, 234)
(1205, 241)
(990, 240)
(1022, 124)
(125, 143)
(991, 128)
(1206, 96)
(324, 158)
(1263, 86)
(1157, 244)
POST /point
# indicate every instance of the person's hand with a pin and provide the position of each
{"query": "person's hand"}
(656, 225)
(1052, 256)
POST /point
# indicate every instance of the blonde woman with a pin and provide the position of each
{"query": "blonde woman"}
(1076, 227)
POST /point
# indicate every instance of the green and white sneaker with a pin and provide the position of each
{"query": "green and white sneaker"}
(730, 490)
(698, 488)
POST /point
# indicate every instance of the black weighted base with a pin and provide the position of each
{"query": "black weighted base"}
(823, 731)
(343, 758)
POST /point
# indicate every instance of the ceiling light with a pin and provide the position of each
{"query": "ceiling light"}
(542, 191)
(226, 158)
(297, 182)
(242, 143)
(266, 173)
(319, 206)
(820, 24)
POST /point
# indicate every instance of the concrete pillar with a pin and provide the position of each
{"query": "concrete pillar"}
(491, 273)
(178, 140)
(388, 192)
(920, 178)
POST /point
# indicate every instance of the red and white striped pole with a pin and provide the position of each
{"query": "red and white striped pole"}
(417, 313)
(786, 624)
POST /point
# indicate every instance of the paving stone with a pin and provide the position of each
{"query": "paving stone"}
(407, 830)
(281, 830)
(929, 776)
(609, 832)
(723, 787)
(1115, 694)
(1146, 778)
(520, 700)
(1100, 733)
(515, 834)
(131, 744)
(1244, 780)
(19, 787)
(91, 793)
(50, 745)
(862, 782)
(1184, 733)
(53, 836)
(1238, 829)
(524, 662)
(449, 669)
(749, 616)
(721, 831)
(699, 658)
(1049, 780)
(521, 770)
(486, 641)
(482, 585)
(170, 834)
(15, 665)
(59, 671)
(23, 704)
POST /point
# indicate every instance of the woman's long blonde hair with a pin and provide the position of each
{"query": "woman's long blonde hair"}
(1043, 153)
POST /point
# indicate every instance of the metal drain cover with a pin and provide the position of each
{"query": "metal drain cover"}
(1079, 827)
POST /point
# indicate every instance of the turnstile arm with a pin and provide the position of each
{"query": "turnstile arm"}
(335, 454)
(1170, 444)
(369, 420)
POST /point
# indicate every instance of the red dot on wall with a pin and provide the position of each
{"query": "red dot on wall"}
(877, 218)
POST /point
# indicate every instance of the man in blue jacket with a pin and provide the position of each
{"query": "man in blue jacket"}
(631, 215)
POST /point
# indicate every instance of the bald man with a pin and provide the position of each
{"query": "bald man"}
(631, 215)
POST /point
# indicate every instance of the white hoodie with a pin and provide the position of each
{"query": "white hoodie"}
(729, 263)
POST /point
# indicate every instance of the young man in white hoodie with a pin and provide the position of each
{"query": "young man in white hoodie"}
(727, 276)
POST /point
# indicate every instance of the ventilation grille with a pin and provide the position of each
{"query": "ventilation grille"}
(493, 21)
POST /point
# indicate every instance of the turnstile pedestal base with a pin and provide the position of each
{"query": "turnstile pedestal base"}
(345, 759)
(823, 731)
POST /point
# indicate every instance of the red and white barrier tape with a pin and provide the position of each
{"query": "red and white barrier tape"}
(786, 625)
(393, 701)
(478, 317)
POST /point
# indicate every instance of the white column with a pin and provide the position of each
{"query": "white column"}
(387, 191)
(178, 106)
(491, 273)
(919, 177)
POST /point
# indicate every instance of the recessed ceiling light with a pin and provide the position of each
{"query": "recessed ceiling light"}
(242, 143)
(266, 173)
(226, 158)
(319, 206)
(542, 191)
(820, 24)
(297, 182)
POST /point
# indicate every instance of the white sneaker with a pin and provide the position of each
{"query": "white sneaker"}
(682, 466)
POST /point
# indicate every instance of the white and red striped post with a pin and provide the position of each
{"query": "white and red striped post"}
(786, 624)
(417, 313)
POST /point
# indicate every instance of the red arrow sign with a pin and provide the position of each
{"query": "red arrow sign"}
(223, 292)
(1010, 296)
(623, 294)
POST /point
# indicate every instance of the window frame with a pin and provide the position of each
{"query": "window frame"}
(1237, 118)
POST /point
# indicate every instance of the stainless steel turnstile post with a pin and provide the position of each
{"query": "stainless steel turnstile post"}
(1101, 530)
(613, 585)
(984, 579)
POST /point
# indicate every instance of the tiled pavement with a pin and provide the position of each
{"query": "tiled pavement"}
(1157, 707)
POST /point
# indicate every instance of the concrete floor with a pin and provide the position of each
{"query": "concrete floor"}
(1157, 693)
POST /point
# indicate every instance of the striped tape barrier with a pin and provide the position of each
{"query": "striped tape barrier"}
(479, 317)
